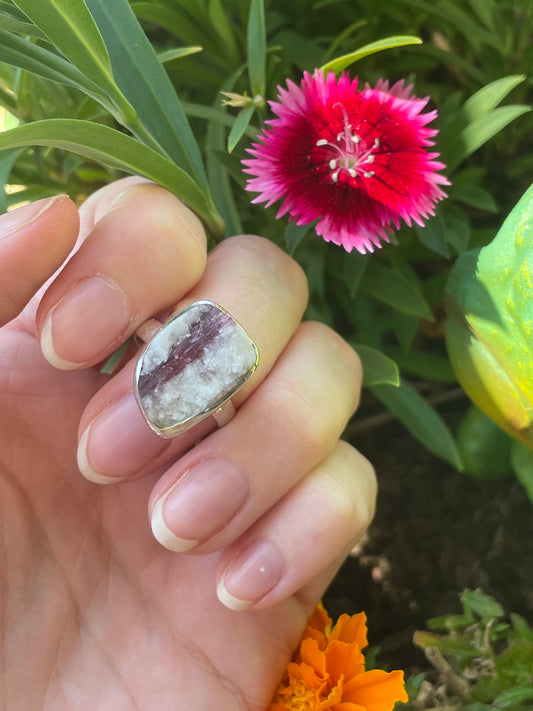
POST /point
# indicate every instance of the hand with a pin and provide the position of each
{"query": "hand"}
(95, 612)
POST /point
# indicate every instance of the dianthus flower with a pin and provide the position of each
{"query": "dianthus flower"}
(356, 161)
(327, 672)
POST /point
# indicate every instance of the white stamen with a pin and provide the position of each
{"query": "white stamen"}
(348, 152)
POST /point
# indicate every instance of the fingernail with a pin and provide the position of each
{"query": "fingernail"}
(15, 220)
(199, 505)
(89, 320)
(117, 443)
(250, 576)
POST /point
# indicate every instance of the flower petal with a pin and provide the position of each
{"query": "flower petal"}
(376, 690)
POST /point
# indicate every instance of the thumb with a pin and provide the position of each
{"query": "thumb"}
(34, 241)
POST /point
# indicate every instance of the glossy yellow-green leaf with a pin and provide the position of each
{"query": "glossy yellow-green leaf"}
(339, 63)
(489, 329)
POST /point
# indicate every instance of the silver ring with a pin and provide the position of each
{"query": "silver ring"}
(191, 367)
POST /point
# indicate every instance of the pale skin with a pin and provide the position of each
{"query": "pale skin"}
(108, 598)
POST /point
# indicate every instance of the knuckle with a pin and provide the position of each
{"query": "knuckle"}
(344, 365)
(284, 270)
(354, 497)
(311, 430)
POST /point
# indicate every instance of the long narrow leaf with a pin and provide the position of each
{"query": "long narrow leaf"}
(145, 84)
(69, 25)
(26, 55)
(13, 20)
(220, 22)
(256, 47)
(7, 160)
(420, 419)
(116, 150)
(489, 96)
(340, 63)
(482, 130)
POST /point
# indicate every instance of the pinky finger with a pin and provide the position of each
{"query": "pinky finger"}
(298, 545)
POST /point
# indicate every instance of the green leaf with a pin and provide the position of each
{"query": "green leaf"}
(457, 234)
(293, 235)
(391, 287)
(256, 48)
(482, 130)
(219, 178)
(473, 195)
(12, 20)
(420, 419)
(522, 463)
(340, 63)
(489, 96)
(433, 235)
(26, 55)
(145, 84)
(354, 267)
(70, 27)
(116, 150)
(378, 369)
(7, 160)
(523, 630)
(222, 26)
(513, 697)
(482, 605)
(423, 364)
(239, 126)
(177, 53)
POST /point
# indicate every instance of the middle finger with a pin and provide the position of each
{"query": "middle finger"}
(265, 291)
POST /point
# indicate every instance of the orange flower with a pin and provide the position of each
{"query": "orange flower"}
(327, 672)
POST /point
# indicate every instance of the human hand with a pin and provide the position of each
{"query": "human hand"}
(96, 613)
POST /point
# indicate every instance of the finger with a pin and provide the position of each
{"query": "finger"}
(315, 525)
(142, 255)
(265, 291)
(290, 424)
(34, 241)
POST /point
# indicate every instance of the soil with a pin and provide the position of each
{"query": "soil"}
(436, 532)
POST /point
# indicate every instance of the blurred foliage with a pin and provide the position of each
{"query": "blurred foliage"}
(482, 660)
(96, 96)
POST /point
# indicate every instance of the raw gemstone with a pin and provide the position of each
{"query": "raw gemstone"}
(192, 366)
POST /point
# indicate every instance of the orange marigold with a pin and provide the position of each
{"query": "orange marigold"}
(327, 672)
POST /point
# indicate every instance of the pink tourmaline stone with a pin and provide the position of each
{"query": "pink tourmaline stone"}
(192, 365)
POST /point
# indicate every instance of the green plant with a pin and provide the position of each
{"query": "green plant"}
(482, 659)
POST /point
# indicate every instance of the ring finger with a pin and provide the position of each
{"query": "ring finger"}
(265, 291)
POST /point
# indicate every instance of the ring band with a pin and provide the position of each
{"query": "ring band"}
(191, 367)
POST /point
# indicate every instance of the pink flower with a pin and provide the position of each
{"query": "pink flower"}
(356, 161)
